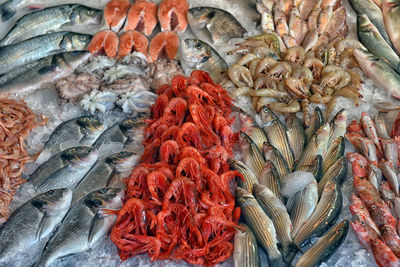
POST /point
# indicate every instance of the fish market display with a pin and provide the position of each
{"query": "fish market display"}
(16, 121)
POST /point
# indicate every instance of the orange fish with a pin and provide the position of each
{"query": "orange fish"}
(115, 13)
(132, 41)
(142, 16)
(172, 15)
(164, 44)
(106, 42)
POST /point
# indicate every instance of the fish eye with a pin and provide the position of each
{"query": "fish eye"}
(83, 38)
(48, 193)
(90, 12)
(197, 45)
(103, 191)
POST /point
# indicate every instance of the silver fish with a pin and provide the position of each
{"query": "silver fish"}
(269, 178)
(296, 135)
(31, 225)
(249, 178)
(245, 253)
(391, 9)
(375, 176)
(337, 172)
(338, 20)
(16, 55)
(390, 174)
(74, 18)
(252, 156)
(334, 152)
(380, 127)
(272, 154)
(338, 125)
(250, 127)
(84, 225)
(390, 150)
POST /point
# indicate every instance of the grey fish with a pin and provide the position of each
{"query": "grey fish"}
(216, 23)
(84, 129)
(33, 76)
(296, 135)
(252, 156)
(370, 37)
(317, 120)
(245, 253)
(269, 178)
(272, 154)
(325, 247)
(250, 127)
(337, 172)
(391, 9)
(262, 226)
(249, 178)
(201, 56)
(373, 12)
(380, 127)
(64, 169)
(31, 225)
(334, 152)
(102, 172)
(84, 225)
(16, 55)
(74, 18)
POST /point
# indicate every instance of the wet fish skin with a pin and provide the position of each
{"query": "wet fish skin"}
(249, 178)
(31, 225)
(296, 135)
(391, 9)
(365, 234)
(317, 120)
(390, 174)
(245, 253)
(380, 127)
(325, 247)
(390, 150)
(252, 156)
(273, 154)
(334, 152)
(337, 172)
(84, 225)
(338, 20)
(74, 18)
(338, 125)
(16, 55)
(250, 127)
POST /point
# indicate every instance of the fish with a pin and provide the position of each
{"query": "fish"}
(312, 19)
(375, 176)
(295, 24)
(379, 71)
(115, 13)
(272, 154)
(374, 13)
(86, 223)
(262, 226)
(106, 42)
(304, 205)
(16, 55)
(316, 167)
(305, 8)
(360, 211)
(172, 15)
(276, 134)
(325, 247)
(391, 239)
(366, 191)
(102, 173)
(380, 127)
(269, 178)
(249, 179)
(84, 130)
(381, 215)
(296, 135)
(338, 21)
(324, 18)
(22, 81)
(252, 156)
(245, 253)
(392, 19)
(142, 17)
(267, 21)
(334, 152)
(390, 174)
(390, 150)
(369, 128)
(131, 41)
(31, 225)
(383, 255)
(76, 18)
(316, 121)
(277, 212)
(164, 44)
(310, 39)
(337, 172)
(201, 56)
(365, 234)
(250, 127)
(370, 37)
(338, 125)
(387, 194)
(214, 25)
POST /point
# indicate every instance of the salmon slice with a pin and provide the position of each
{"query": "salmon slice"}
(132, 41)
(104, 42)
(142, 16)
(164, 44)
(115, 13)
(172, 15)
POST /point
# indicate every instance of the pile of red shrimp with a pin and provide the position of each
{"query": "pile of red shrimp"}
(179, 201)
(16, 122)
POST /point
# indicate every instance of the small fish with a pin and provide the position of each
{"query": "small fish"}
(383, 255)
(337, 172)
(324, 18)
(316, 167)
(295, 24)
(249, 179)
(325, 247)
(375, 176)
(86, 223)
(381, 215)
(312, 20)
(391, 11)
(365, 146)
(142, 17)
(317, 120)
(269, 178)
(338, 21)
(272, 154)
(364, 233)
(310, 40)
(39, 217)
(172, 15)
(262, 226)
(245, 253)
(369, 128)
(216, 23)
(115, 13)
(305, 8)
(296, 135)
(387, 194)
(380, 127)
(334, 152)
(390, 174)
(360, 211)
(338, 125)
(390, 150)
(366, 191)
(267, 22)
(250, 127)
(391, 239)
(252, 156)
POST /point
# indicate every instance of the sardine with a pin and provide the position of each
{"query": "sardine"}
(262, 226)
(390, 174)
(31, 225)
(252, 156)
(380, 127)
(267, 22)
(305, 8)
(220, 25)
(391, 11)
(85, 224)
(296, 136)
(245, 253)
(337, 172)
(16, 55)
(338, 125)
(334, 152)
(317, 120)
(269, 178)
(325, 247)
(250, 127)
(74, 18)
(249, 178)
(273, 154)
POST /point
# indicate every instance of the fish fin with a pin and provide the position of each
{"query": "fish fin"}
(35, 7)
(40, 232)
(47, 69)
(97, 223)
(7, 11)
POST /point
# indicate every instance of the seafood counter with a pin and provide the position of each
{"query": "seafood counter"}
(186, 132)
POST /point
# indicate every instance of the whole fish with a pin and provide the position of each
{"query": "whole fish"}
(338, 21)
(379, 71)
(273, 154)
(64, 169)
(370, 37)
(102, 172)
(262, 226)
(267, 22)
(16, 55)
(252, 156)
(216, 23)
(276, 210)
(337, 172)
(249, 178)
(85, 224)
(390, 174)
(391, 9)
(391, 239)
(269, 178)
(390, 150)
(201, 56)
(250, 127)
(296, 136)
(310, 39)
(381, 215)
(325, 247)
(245, 253)
(295, 24)
(360, 211)
(317, 120)
(383, 255)
(387, 194)
(33, 76)
(338, 125)
(84, 130)
(364, 233)
(373, 12)
(380, 127)
(31, 225)
(305, 8)
(276, 134)
(334, 152)
(369, 128)
(366, 191)
(324, 18)
(74, 18)
(375, 176)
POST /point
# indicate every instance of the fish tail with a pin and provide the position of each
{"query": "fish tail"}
(7, 11)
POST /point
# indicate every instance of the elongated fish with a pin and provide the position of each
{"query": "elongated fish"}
(296, 136)
(250, 127)
(252, 156)
(31, 225)
(269, 178)
(337, 172)
(74, 18)
(334, 152)
(84, 225)
(245, 253)
(16, 55)
(391, 9)
(249, 178)
(272, 154)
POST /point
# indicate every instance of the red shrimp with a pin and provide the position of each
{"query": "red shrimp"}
(169, 152)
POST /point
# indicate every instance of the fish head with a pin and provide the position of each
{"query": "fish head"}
(195, 50)
(120, 158)
(261, 190)
(341, 117)
(76, 41)
(242, 193)
(91, 124)
(244, 138)
(83, 15)
(105, 198)
(267, 115)
(200, 14)
(53, 201)
(81, 155)
(132, 124)
(362, 21)
(245, 119)
(324, 131)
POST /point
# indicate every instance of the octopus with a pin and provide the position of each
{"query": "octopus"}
(98, 100)
(134, 102)
(125, 85)
(164, 71)
(97, 65)
(75, 85)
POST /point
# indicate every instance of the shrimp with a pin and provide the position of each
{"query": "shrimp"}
(295, 54)
(189, 134)
(315, 65)
(174, 112)
(190, 151)
(169, 152)
(291, 107)
(217, 157)
(296, 87)
(157, 184)
(170, 134)
(280, 71)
